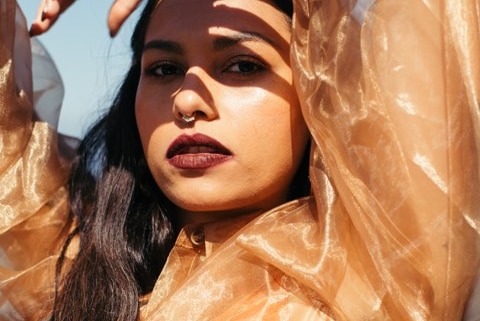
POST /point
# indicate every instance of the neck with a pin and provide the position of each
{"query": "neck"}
(198, 217)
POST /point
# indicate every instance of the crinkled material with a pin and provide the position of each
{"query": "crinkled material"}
(389, 90)
(33, 202)
(392, 103)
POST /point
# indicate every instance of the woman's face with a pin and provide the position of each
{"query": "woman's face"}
(227, 63)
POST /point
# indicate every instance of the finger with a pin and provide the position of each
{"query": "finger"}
(44, 18)
(48, 12)
(119, 12)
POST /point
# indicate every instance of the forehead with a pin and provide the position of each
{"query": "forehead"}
(190, 17)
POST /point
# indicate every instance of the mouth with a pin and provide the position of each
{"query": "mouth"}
(196, 152)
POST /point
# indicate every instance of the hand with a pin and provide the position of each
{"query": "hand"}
(119, 12)
(50, 10)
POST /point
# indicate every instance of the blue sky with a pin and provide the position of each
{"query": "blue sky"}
(90, 62)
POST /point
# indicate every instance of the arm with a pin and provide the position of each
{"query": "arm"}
(16, 84)
(33, 202)
(391, 103)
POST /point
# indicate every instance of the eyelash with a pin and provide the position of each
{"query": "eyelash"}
(174, 69)
(153, 69)
(258, 66)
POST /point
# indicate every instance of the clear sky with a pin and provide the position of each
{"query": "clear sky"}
(90, 62)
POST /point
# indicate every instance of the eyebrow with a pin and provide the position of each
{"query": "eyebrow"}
(224, 42)
(219, 43)
(165, 45)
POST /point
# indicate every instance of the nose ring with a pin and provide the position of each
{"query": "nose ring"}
(188, 118)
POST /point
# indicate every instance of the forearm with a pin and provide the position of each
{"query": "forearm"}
(389, 104)
(15, 89)
(424, 89)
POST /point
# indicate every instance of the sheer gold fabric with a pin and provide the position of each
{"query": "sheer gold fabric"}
(389, 90)
(32, 197)
(391, 97)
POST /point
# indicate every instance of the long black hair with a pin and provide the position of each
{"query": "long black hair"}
(123, 221)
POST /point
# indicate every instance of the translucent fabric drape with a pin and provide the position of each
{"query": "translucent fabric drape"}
(32, 197)
(389, 90)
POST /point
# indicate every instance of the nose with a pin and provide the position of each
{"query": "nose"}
(193, 100)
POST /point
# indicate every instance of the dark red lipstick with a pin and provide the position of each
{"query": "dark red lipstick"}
(196, 152)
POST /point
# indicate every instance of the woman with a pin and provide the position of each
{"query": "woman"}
(387, 233)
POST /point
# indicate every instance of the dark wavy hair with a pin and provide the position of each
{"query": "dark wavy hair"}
(124, 222)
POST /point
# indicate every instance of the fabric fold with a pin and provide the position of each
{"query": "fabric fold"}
(389, 90)
(33, 202)
(390, 115)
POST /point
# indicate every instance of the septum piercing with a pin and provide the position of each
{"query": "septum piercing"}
(188, 118)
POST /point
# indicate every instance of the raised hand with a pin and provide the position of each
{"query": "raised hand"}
(119, 12)
(50, 10)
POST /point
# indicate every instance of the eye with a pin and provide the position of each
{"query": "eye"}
(244, 66)
(164, 69)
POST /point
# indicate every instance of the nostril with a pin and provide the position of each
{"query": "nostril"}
(188, 118)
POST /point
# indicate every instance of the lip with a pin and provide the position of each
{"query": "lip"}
(197, 151)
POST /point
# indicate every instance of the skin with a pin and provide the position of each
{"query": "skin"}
(50, 10)
(242, 96)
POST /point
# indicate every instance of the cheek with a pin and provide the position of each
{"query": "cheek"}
(152, 109)
(280, 118)
(151, 117)
(154, 142)
(144, 124)
(274, 127)
(293, 135)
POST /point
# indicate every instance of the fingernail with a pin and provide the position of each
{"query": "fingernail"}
(33, 30)
(44, 11)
